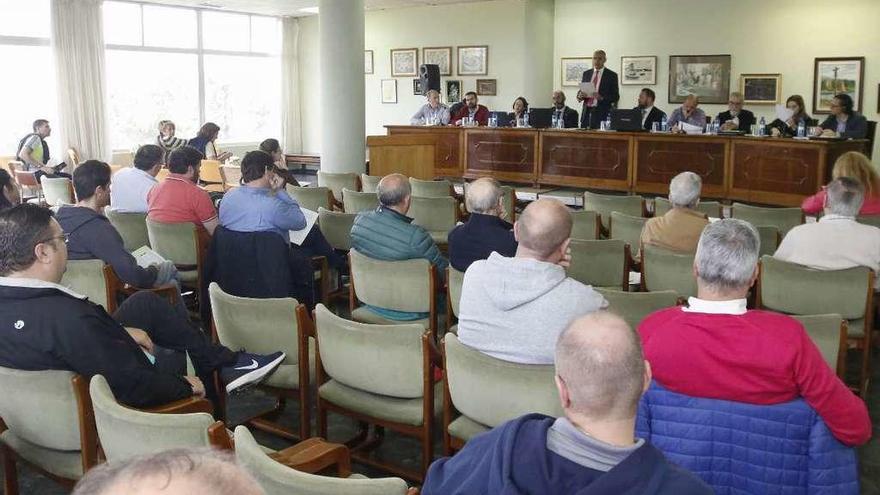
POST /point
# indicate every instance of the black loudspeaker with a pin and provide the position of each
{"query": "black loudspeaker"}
(429, 77)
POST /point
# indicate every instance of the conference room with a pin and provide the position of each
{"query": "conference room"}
(439, 246)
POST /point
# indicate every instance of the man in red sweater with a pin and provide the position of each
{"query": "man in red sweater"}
(471, 109)
(716, 348)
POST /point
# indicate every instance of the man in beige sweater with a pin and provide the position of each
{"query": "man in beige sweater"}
(680, 228)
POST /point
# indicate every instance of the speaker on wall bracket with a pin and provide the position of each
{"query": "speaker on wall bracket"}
(429, 77)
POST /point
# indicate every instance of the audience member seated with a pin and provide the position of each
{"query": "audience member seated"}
(795, 103)
(600, 375)
(650, 113)
(173, 472)
(680, 228)
(206, 143)
(716, 348)
(563, 112)
(858, 167)
(687, 113)
(33, 151)
(478, 113)
(91, 236)
(837, 241)
(9, 194)
(520, 108)
(515, 308)
(45, 326)
(386, 233)
(178, 199)
(273, 147)
(263, 205)
(132, 184)
(844, 121)
(735, 118)
(484, 232)
(433, 112)
(166, 139)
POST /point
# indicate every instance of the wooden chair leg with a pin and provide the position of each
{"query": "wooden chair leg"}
(427, 447)
(10, 473)
(322, 420)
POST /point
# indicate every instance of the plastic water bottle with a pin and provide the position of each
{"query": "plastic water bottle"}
(716, 127)
(526, 118)
(801, 130)
(555, 121)
(608, 123)
(664, 127)
(762, 126)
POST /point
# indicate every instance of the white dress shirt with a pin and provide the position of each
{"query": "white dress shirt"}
(731, 307)
(645, 112)
(129, 188)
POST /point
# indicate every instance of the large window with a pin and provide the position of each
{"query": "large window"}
(191, 66)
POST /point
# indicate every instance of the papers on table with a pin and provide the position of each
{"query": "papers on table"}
(587, 88)
(783, 113)
(689, 128)
(298, 236)
(146, 257)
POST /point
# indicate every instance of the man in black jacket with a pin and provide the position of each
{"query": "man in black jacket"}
(735, 118)
(650, 113)
(485, 231)
(599, 104)
(45, 326)
(568, 115)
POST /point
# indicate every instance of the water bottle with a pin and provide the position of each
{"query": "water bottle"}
(555, 121)
(664, 127)
(716, 127)
(761, 126)
(801, 130)
(493, 121)
(607, 123)
(526, 118)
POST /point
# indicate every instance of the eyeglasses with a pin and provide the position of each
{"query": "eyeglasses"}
(66, 238)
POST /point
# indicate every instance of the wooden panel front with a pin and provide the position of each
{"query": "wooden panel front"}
(775, 172)
(506, 154)
(585, 159)
(408, 154)
(660, 158)
(448, 158)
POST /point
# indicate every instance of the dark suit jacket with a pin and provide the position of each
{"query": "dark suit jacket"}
(569, 116)
(477, 238)
(481, 116)
(608, 90)
(746, 119)
(653, 116)
(856, 126)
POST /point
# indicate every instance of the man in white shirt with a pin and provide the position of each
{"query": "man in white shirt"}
(837, 241)
(129, 186)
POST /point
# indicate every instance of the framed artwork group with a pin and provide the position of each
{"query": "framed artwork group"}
(472, 60)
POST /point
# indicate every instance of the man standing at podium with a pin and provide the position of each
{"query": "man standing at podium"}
(606, 93)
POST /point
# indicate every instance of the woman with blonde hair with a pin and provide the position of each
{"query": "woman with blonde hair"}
(857, 166)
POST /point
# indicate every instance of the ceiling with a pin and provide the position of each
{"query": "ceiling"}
(292, 7)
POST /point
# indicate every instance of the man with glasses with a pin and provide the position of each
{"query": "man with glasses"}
(736, 118)
(46, 326)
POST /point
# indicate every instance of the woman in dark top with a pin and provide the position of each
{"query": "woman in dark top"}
(795, 103)
(520, 107)
(9, 196)
(273, 147)
(204, 142)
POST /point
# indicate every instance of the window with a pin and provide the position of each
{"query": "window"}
(26, 18)
(230, 32)
(170, 27)
(122, 24)
(243, 96)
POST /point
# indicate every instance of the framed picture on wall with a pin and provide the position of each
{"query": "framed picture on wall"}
(487, 87)
(760, 89)
(641, 71)
(453, 90)
(389, 90)
(417, 86)
(473, 60)
(404, 62)
(368, 61)
(440, 56)
(573, 69)
(706, 76)
(837, 75)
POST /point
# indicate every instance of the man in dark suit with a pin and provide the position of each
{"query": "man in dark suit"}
(650, 113)
(736, 119)
(568, 115)
(599, 104)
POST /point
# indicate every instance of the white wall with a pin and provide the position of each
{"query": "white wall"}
(753, 32)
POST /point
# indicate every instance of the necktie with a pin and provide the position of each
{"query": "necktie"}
(591, 102)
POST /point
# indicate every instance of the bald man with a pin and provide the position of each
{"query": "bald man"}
(687, 112)
(386, 233)
(568, 116)
(598, 104)
(485, 232)
(600, 375)
(515, 308)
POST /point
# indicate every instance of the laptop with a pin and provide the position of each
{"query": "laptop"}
(626, 120)
(540, 118)
(502, 117)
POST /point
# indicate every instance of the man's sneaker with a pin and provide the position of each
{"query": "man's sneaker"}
(249, 369)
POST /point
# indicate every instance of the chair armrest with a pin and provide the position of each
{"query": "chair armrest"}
(315, 455)
(219, 437)
(412, 491)
(183, 406)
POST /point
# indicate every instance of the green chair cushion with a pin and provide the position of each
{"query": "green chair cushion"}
(364, 315)
(406, 411)
(64, 463)
(465, 428)
(454, 329)
(287, 375)
(189, 276)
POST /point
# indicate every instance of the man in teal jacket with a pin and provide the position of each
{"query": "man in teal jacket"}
(386, 233)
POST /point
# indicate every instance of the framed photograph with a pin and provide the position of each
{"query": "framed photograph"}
(453, 90)
(368, 61)
(404, 62)
(389, 90)
(417, 86)
(473, 60)
(837, 75)
(706, 76)
(640, 71)
(487, 87)
(573, 69)
(439, 55)
(760, 89)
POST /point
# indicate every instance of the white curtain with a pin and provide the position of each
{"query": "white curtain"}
(291, 120)
(78, 47)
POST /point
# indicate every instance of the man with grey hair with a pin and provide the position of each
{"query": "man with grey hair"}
(433, 112)
(600, 376)
(679, 228)
(515, 308)
(485, 231)
(716, 348)
(173, 472)
(687, 113)
(735, 118)
(837, 241)
(386, 233)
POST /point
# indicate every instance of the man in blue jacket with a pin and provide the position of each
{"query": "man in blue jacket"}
(386, 233)
(485, 231)
(600, 375)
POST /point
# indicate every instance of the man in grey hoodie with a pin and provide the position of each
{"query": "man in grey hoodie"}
(515, 308)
